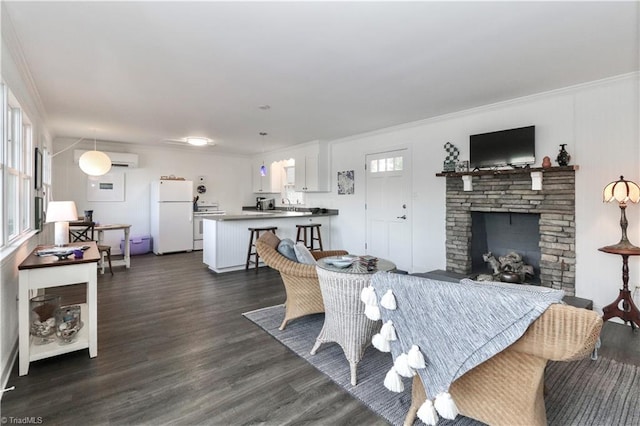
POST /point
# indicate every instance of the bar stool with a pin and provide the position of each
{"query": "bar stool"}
(314, 235)
(253, 237)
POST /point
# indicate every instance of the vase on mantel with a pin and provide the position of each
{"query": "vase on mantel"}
(563, 156)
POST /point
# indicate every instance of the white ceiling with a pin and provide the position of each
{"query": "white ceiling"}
(142, 72)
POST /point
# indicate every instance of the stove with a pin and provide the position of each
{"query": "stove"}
(204, 209)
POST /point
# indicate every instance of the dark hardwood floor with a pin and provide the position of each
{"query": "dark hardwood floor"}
(173, 348)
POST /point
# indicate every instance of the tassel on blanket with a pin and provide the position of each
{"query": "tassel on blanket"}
(427, 413)
(364, 294)
(402, 366)
(446, 406)
(388, 331)
(388, 301)
(380, 343)
(393, 381)
(415, 357)
(372, 312)
(371, 299)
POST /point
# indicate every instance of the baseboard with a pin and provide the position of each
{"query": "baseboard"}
(6, 369)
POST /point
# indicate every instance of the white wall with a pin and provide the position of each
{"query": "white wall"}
(13, 255)
(228, 181)
(597, 121)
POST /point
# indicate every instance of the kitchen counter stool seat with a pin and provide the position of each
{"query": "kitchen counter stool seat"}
(252, 253)
(308, 234)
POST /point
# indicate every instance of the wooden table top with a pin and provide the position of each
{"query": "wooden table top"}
(34, 261)
(113, 226)
(623, 249)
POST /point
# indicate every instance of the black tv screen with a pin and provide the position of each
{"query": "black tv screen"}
(513, 147)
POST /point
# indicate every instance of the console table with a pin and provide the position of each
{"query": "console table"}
(629, 312)
(40, 272)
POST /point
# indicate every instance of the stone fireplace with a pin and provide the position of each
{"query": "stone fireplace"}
(510, 191)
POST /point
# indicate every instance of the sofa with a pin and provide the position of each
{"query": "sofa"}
(508, 387)
(300, 280)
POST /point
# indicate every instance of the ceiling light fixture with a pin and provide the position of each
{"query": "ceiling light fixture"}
(95, 163)
(197, 141)
(263, 169)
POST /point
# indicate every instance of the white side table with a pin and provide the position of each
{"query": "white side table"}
(37, 272)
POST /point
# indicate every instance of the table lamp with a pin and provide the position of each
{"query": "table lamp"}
(61, 212)
(622, 191)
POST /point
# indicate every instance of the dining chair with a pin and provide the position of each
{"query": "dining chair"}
(84, 231)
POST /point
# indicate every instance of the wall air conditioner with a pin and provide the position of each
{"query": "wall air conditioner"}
(118, 159)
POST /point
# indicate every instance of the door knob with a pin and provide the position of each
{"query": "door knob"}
(404, 216)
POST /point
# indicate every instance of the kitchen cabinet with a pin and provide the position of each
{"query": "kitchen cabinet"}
(312, 168)
(269, 184)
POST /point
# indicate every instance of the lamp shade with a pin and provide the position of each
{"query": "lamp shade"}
(61, 211)
(621, 191)
(95, 163)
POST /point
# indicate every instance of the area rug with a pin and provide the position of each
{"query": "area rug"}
(601, 392)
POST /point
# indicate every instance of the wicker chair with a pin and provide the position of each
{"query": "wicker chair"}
(300, 280)
(508, 388)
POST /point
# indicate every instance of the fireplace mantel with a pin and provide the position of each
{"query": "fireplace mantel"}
(523, 170)
(511, 191)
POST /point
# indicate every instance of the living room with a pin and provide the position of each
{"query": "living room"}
(597, 119)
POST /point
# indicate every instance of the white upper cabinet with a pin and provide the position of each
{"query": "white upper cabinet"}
(312, 168)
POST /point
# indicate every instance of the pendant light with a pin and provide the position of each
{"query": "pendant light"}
(95, 163)
(263, 169)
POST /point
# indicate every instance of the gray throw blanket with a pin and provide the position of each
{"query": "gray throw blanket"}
(457, 325)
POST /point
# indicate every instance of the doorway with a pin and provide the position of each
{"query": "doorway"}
(387, 201)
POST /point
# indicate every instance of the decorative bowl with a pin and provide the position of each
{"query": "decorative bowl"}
(342, 263)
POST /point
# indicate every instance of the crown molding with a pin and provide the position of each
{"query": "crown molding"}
(12, 42)
(568, 90)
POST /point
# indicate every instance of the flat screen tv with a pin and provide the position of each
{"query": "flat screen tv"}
(512, 147)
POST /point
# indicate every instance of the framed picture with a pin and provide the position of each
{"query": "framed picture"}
(346, 182)
(108, 187)
(39, 213)
(37, 168)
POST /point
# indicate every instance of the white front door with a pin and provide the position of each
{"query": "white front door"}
(387, 207)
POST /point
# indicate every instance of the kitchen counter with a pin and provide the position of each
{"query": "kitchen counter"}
(226, 237)
(247, 214)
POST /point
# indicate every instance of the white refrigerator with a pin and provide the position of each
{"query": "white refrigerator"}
(172, 215)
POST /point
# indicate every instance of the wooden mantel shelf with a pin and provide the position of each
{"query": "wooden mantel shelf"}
(524, 170)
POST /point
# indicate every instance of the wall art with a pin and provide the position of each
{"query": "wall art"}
(346, 182)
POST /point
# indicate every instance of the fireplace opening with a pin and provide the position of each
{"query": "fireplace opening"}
(504, 233)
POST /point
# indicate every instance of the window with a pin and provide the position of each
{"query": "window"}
(17, 169)
(390, 164)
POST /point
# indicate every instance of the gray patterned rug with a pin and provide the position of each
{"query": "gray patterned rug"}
(581, 393)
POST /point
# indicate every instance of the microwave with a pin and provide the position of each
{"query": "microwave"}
(267, 204)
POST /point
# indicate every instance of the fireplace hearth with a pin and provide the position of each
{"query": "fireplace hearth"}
(509, 192)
